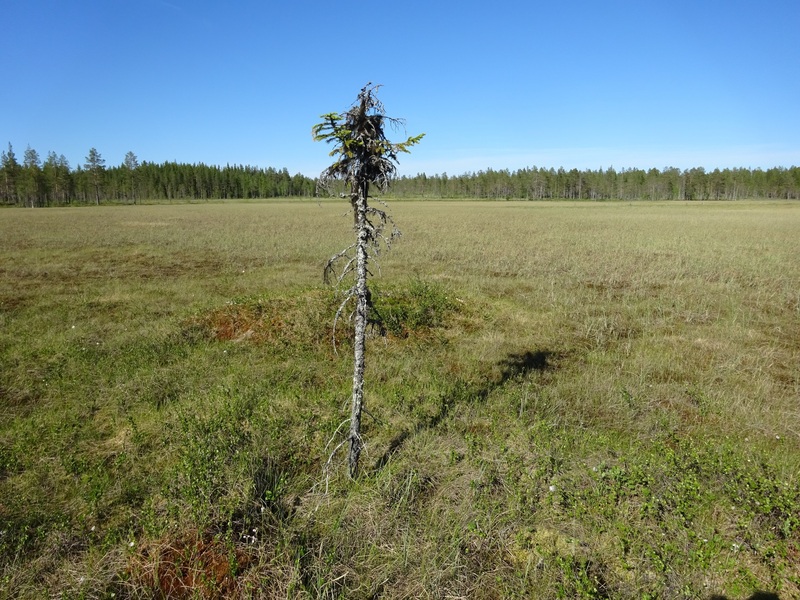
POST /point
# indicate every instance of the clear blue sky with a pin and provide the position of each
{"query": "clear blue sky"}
(502, 84)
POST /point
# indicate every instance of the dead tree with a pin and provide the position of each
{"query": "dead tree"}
(363, 157)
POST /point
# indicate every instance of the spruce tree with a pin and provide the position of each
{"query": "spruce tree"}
(364, 156)
(10, 169)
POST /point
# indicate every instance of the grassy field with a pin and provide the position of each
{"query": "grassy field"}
(570, 401)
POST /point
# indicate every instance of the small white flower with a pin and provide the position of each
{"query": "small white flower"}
(130, 545)
(552, 488)
(777, 437)
(92, 529)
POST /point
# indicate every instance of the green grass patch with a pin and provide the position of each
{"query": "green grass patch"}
(419, 306)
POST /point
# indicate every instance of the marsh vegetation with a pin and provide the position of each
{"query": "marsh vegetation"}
(565, 400)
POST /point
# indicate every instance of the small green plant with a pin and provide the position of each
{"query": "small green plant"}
(579, 579)
(419, 307)
(216, 456)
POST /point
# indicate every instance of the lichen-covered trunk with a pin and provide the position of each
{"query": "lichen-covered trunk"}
(361, 315)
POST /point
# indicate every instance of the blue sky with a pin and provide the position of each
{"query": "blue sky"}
(503, 84)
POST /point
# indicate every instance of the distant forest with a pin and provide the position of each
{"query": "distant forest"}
(53, 182)
(627, 184)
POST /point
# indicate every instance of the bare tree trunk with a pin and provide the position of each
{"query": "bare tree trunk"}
(361, 315)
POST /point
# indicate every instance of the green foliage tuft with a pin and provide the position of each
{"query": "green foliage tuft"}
(215, 454)
(420, 306)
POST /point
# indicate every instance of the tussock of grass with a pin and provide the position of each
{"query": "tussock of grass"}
(299, 321)
(564, 401)
(418, 307)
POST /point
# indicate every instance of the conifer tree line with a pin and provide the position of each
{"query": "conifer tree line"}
(33, 182)
(54, 182)
(627, 184)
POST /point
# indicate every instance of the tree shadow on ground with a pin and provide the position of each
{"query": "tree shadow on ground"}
(519, 365)
(514, 366)
(755, 596)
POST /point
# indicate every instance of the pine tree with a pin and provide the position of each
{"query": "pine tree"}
(130, 165)
(32, 177)
(95, 165)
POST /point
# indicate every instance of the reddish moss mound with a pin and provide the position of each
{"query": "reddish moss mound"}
(305, 319)
(193, 568)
